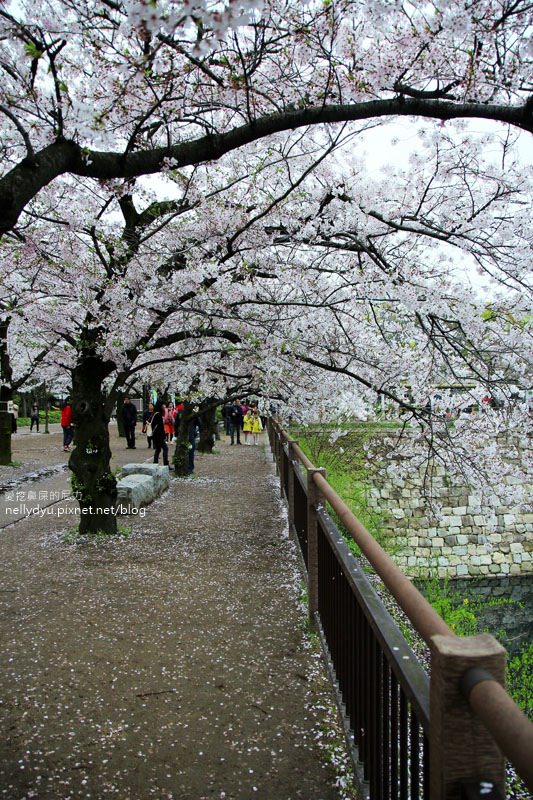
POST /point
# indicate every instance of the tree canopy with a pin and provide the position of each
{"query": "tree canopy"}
(266, 255)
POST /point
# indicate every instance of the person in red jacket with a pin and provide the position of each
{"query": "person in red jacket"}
(66, 424)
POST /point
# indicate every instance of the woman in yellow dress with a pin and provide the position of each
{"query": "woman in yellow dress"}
(256, 426)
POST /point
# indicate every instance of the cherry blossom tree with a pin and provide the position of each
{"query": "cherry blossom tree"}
(260, 259)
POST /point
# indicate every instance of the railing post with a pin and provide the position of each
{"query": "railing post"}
(461, 748)
(292, 459)
(314, 499)
(276, 449)
(281, 469)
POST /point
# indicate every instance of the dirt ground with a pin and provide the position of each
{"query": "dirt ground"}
(172, 664)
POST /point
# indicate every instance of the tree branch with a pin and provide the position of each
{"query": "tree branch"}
(24, 181)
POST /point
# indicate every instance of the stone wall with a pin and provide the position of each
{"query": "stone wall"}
(460, 542)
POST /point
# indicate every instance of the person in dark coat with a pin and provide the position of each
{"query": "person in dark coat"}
(158, 433)
(235, 418)
(34, 417)
(226, 411)
(147, 421)
(129, 418)
(193, 432)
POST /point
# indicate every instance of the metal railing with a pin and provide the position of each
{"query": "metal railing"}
(409, 737)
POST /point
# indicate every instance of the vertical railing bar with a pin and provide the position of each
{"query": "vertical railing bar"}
(378, 723)
(404, 749)
(425, 767)
(386, 726)
(373, 716)
(360, 684)
(367, 701)
(415, 756)
(395, 736)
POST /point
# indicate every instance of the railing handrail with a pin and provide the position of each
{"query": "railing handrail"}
(506, 722)
(421, 614)
(509, 727)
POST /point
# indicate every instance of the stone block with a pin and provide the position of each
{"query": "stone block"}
(462, 569)
(136, 490)
(459, 511)
(157, 472)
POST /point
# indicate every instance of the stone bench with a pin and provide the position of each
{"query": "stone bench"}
(140, 484)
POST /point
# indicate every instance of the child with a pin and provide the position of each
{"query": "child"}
(247, 425)
(256, 426)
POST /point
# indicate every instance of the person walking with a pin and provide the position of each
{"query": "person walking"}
(169, 422)
(226, 412)
(192, 433)
(158, 433)
(147, 423)
(14, 417)
(129, 418)
(256, 425)
(235, 416)
(66, 424)
(34, 417)
(247, 426)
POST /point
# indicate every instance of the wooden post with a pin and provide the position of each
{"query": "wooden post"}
(281, 469)
(292, 459)
(461, 748)
(276, 450)
(314, 499)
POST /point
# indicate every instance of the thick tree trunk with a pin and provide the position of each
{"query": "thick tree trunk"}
(208, 426)
(93, 481)
(6, 394)
(181, 451)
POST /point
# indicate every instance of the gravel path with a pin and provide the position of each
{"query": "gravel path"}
(173, 664)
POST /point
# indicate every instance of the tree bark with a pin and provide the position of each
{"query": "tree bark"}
(208, 426)
(181, 451)
(6, 394)
(93, 482)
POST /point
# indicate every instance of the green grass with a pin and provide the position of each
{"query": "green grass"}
(349, 472)
(53, 416)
